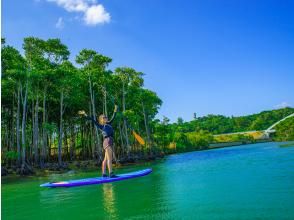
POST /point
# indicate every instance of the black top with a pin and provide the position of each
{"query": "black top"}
(107, 130)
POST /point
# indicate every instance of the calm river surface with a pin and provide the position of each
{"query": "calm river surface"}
(244, 182)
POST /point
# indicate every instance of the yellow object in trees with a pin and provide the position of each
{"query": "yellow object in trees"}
(138, 138)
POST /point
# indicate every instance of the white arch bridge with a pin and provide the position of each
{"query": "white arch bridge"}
(265, 134)
(271, 129)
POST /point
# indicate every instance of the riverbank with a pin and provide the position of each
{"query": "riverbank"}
(236, 143)
(77, 165)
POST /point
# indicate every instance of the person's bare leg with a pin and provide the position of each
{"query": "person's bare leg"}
(109, 159)
(104, 162)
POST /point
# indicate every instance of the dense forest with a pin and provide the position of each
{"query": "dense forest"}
(42, 92)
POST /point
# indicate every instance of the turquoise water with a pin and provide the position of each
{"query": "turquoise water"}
(243, 182)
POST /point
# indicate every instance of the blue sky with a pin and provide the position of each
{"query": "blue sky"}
(231, 57)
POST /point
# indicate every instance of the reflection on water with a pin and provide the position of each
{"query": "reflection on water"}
(54, 195)
(108, 199)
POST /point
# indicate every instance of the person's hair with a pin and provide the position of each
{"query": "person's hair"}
(101, 118)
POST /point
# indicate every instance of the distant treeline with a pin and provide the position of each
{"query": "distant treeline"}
(198, 133)
(219, 124)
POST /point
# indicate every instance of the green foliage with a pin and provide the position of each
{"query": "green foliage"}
(234, 138)
(200, 139)
(50, 127)
(285, 130)
(218, 124)
(11, 155)
(182, 140)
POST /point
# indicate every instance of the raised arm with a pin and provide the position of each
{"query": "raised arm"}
(113, 116)
(94, 121)
(85, 116)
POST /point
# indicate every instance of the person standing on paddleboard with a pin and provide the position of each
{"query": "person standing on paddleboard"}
(107, 131)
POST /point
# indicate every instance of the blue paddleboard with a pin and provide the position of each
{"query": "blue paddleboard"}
(97, 180)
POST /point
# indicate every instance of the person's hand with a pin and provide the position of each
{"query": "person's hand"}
(82, 113)
(115, 108)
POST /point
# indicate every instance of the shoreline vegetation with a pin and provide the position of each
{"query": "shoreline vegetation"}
(42, 92)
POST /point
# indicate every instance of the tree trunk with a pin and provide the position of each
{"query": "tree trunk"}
(12, 125)
(121, 136)
(72, 142)
(32, 145)
(44, 135)
(60, 130)
(105, 101)
(36, 131)
(66, 142)
(146, 126)
(23, 126)
(92, 97)
(125, 122)
(92, 135)
(18, 127)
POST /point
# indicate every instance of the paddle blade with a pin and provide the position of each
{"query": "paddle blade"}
(138, 138)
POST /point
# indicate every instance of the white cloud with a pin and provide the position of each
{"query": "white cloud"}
(283, 105)
(60, 23)
(96, 14)
(93, 13)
